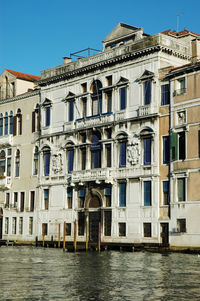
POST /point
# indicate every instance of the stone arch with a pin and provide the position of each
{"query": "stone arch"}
(94, 199)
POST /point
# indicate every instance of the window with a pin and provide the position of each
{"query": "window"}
(11, 122)
(30, 225)
(123, 98)
(21, 225)
(166, 150)
(147, 229)
(181, 86)
(36, 119)
(147, 92)
(147, 193)
(32, 200)
(95, 151)
(22, 202)
(165, 95)
(122, 154)
(14, 225)
(81, 198)
(147, 151)
(108, 133)
(15, 199)
(109, 101)
(9, 162)
(107, 222)
(84, 87)
(35, 161)
(81, 223)
(108, 196)
(122, 194)
(165, 192)
(181, 148)
(181, 189)
(178, 146)
(19, 122)
(96, 97)
(70, 160)
(84, 107)
(6, 124)
(46, 161)
(199, 142)
(44, 229)
(71, 110)
(83, 158)
(122, 229)
(108, 155)
(17, 163)
(109, 80)
(2, 162)
(69, 197)
(46, 199)
(181, 225)
(7, 199)
(6, 225)
(1, 124)
(68, 229)
(47, 115)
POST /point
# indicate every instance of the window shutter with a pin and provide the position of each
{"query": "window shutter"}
(81, 193)
(70, 160)
(123, 98)
(147, 151)
(71, 110)
(147, 193)
(166, 149)
(165, 186)
(33, 122)
(182, 145)
(122, 159)
(14, 125)
(174, 146)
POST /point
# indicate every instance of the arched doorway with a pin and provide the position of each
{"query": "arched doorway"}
(94, 218)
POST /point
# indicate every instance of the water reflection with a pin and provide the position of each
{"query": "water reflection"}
(29, 273)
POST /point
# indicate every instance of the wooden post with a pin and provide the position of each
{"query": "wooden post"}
(86, 243)
(43, 240)
(75, 236)
(99, 238)
(58, 235)
(64, 233)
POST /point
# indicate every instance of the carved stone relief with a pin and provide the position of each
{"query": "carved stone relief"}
(133, 151)
(57, 164)
(181, 117)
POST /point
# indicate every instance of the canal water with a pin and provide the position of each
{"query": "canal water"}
(29, 273)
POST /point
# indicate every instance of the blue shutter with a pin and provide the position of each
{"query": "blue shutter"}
(165, 186)
(48, 116)
(122, 155)
(1, 127)
(122, 194)
(147, 92)
(147, 151)
(46, 194)
(11, 125)
(71, 110)
(147, 193)
(81, 193)
(69, 192)
(70, 160)
(108, 191)
(46, 163)
(123, 98)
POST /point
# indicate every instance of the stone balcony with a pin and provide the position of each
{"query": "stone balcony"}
(144, 110)
(97, 174)
(6, 140)
(5, 183)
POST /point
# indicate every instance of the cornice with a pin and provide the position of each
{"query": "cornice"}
(19, 97)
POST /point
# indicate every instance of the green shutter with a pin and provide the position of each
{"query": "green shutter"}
(174, 146)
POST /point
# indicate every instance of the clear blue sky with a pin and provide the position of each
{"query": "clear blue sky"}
(36, 34)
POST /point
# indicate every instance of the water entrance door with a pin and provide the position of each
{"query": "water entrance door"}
(165, 233)
(94, 219)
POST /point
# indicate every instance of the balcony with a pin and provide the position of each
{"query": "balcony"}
(92, 121)
(144, 111)
(91, 175)
(6, 141)
(179, 92)
(5, 183)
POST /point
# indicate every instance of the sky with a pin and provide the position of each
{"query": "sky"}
(37, 34)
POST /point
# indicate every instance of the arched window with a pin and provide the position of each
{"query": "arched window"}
(6, 124)
(70, 158)
(96, 97)
(11, 122)
(147, 138)
(2, 162)
(46, 161)
(47, 112)
(95, 150)
(19, 122)
(35, 161)
(1, 124)
(17, 163)
(122, 150)
(36, 119)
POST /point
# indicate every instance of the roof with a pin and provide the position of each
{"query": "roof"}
(24, 76)
(182, 33)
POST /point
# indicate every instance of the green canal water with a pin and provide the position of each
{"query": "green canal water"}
(29, 273)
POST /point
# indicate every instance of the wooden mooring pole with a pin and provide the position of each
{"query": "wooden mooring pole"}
(64, 233)
(99, 238)
(58, 235)
(86, 242)
(75, 236)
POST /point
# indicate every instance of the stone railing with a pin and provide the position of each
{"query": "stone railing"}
(94, 120)
(91, 175)
(5, 182)
(144, 111)
(6, 140)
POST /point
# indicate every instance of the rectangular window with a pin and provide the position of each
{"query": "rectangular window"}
(44, 229)
(123, 98)
(122, 154)
(68, 229)
(1, 126)
(96, 106)
(22, 202)
(81, 198)
(81, 223)
(32, 200)
(6, 225)
(15, 199)
(7, 199)
(46, 164)
(181, 148)
(71, 110)
(147, 92)
(166, 150)
(6, 126)
(48, 116)
(14, 225)
(46, 199)
(108, 196)
(165, 192)
(122, 194)
(70, 160)
(21, 225)
(84, 107)
(96, 158)
(181, 225)
(147, 193)
(109, 101)
(199, 142)
(109, 80)
(8, 167)
(147, 229)
(84, 87)
(30, 226)
(83, 158)
(181, 189)
(11, 124)
(122, 229)
(147, 151)
(107, 223)
(69, 197)
(165, 95)
(108, 155)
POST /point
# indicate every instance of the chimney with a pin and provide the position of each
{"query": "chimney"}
(66, 60)
(195, 50)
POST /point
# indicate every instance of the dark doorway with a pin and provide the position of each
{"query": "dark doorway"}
(165, 234)
(1, 223)
(94, 219)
